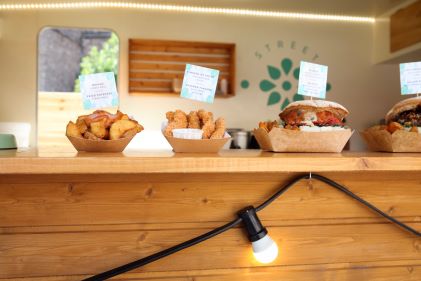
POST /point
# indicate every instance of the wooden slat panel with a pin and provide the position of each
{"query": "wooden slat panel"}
(92, 252)
(178, 58)
(152, 42)
(145, 83)
(163, 75)
(163, 91)
(183, 202)
(82, 227)
(405, 27)
(169, 57)
(168, 66)
(372, 271)
(187, 50)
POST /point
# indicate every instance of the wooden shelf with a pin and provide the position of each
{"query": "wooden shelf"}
(155, 65)
(230, 161)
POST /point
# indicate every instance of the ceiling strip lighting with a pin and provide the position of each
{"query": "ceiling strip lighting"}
(188, 9)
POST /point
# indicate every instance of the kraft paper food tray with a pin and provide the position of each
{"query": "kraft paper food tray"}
(82, 144)
(400, 141)
(284, 140)
(197, 146)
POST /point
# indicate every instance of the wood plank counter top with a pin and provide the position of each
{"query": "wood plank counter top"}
(66, 215)
(35, 161)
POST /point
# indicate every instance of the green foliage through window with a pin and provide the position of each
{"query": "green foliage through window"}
(97, 61)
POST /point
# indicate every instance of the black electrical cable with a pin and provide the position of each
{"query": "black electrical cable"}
(141, 262)
(221, 229)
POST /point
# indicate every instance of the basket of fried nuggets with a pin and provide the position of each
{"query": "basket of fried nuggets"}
(214, 132)
(102, 131)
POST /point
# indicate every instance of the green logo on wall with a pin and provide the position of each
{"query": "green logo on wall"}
(280, 83)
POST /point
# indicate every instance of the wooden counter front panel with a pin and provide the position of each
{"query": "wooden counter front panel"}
(66, 227)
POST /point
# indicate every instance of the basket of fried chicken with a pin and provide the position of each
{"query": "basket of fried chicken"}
(306, 126)
(102, 131)
(195, 132)
(401, 131)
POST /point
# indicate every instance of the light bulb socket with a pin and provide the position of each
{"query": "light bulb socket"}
(254, 227)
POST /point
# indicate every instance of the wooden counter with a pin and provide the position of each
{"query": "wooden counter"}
(65, 216)
(232, 161)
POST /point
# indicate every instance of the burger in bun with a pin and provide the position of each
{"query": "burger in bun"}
(314, 116)
(405, 115)
(306, 126)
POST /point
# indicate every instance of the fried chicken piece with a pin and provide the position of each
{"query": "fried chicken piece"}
(219, 129)
(208, 129)
(119, 127)
(179, 122)
(268, 126)
(273, 124)
(90, 136)
(132, 132)
(101, 114)
(264, 126)
(72, 130)
(394, 126)
(81, 124)
(193, 120)
(99, 129)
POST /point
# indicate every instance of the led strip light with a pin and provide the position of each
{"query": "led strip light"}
(188, 9)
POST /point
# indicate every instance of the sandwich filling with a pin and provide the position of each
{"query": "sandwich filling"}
(410, 118)
(312, 118)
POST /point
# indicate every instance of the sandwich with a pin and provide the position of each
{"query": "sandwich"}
(405, 115)
(314, 116)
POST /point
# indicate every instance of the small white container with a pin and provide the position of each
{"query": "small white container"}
(21, 131)
(192, 134)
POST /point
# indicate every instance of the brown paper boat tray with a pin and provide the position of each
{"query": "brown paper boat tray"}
(284, 140)
(100, 145)
(400, 141)
(197, 146)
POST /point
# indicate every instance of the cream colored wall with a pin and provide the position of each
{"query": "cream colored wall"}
(367, 90)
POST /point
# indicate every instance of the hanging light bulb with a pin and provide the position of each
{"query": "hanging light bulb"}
(265, 249)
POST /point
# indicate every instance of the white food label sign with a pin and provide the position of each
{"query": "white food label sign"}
(98, 90)
(199, 83)
(312, 80)
(410, 78)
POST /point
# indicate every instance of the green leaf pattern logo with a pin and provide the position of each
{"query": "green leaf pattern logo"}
(279, 84)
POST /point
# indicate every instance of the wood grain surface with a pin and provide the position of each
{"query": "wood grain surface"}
(69, 226)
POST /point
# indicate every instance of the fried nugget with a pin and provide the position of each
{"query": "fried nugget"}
(204, 116)
(119, 127)
(170, 116)
(99, 129)
(219, 129)
(179, 121)
(193, 120)
(394, 126)
(208, 129)
(72, 130)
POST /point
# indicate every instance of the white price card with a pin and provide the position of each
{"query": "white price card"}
(98, 90)
(199, 83)
(312, 80)
(410, 78)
